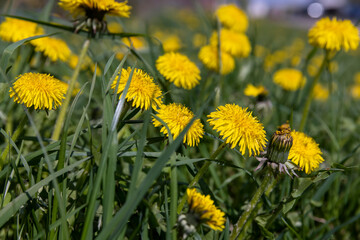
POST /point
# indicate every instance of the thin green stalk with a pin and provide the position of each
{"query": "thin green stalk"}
(311, 92)
(245, 217)
(173, 196)
(61, 118)
(13, 138)
(198, 176)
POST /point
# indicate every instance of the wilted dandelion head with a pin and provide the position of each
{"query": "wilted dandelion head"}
(142, 90)
(171, 43)
(96, 8)
(320, 92)
(178, 69)
(39, 90)
(255, 91)
(203, 209)
(289, 79)
(209, 56)
(176, 117)
(235, 43)
(334, 35)
(237, 126)
(13, 30)
(53, 48)
(232, 17)
(305, 152)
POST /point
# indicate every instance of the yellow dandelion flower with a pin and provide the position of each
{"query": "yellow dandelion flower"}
(334, 35)
(232, 17)
(142, 90)
(289, 79)
(114, 27)
(355, 91)
(135, 42)
(199, 40)
(305, 152)
(208, 55)
(254, 91)
(13, 30)
(96, 8)
(171, 43)
(295, 61)
(235, 43)
(320, 92)
(74, 59)
(39, 90)
(237, 126)
(176, 117)
(178, 69)
(204, 210)
(53, 48)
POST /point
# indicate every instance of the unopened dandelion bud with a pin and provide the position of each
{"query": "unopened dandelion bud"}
(280, 144)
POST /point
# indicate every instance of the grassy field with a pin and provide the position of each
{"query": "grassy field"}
(111, 151)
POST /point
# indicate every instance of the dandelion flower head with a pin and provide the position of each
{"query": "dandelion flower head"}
(178, 69)
(232, 17)
(53, 48)
(13, 30)
(142, 90)
(289, 79)
(135, 42)
(209, 56)
(114, 27)
(172, 43)
(204, 209)
(39, 90)
(334, 35)
(176, 117)
(305, 152)
(355, 91)
(255, 91)
(235, 43)
(96, 8)
(237, 126)
(320, 92)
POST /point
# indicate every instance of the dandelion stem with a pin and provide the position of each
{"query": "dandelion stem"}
(311, 92)
(61, 118)
(244, 218)
(13, 138)
(173, 195)
(200, 173)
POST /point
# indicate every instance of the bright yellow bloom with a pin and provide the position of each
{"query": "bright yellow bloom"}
(176, 117)
(171, 43)
(39, 90)
(96, 8)
(178, 69)
(334, 35)
(142, 90)
(305, 152)
(289, 79)
(235, 43)
(232, 17)
(237, 126)
(136, 42)
(53, 48)
(320, 92)
(254, 91)
(208, 55)
(203, 209)
(114, 27)
(13, 30)
(355, 91)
